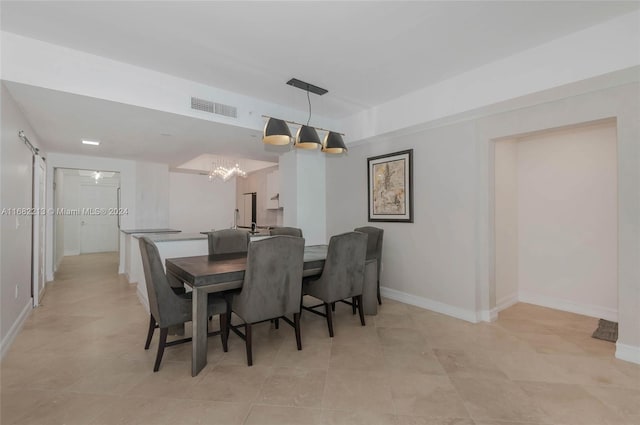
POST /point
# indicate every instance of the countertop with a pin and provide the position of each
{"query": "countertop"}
(132, 231)
(173, 237)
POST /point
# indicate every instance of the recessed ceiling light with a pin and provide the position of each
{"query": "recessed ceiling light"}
(90, 142)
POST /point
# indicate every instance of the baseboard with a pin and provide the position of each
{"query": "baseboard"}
(506, 302)
(438, 307)
(570, 306)
(15, 329)
(628, 353)
(71, 252)
(142, 298)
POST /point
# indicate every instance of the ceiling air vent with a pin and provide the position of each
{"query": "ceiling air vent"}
(214, 108)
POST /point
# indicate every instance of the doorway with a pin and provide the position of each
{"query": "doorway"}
(556, 220)
(86, 219)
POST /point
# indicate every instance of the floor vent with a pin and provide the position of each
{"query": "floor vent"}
(214, 108)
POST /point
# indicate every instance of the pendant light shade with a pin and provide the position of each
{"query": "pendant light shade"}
(276, 132)
(307, 138)
(333, 143)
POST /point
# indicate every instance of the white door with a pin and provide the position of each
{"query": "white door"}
(38, 230)
(98, 228)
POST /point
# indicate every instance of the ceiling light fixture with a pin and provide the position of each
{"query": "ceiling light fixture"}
(223, 169)
(276, 131)
(90, 142)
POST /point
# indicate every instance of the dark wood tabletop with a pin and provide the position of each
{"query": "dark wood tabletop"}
(226, 272)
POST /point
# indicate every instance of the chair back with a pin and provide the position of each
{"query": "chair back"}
(166, 307)
(228, 241)
(374, 243)
(272, 284)
(286, 231)
(343, 272)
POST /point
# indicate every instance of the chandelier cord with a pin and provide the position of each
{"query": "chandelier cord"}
(309, 101)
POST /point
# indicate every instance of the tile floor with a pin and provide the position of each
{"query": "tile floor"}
(80, 360)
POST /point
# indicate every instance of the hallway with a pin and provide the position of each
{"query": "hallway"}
(80, 360)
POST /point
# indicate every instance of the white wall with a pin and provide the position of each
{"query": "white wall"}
(446, 259)
(16, 189)
(567, 219)
(58, 233)
(197, 205)
(152, 195)
(506, 219)
(432, 260)
(303, 191)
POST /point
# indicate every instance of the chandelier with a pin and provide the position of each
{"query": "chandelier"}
(276, 131)
(224, 169)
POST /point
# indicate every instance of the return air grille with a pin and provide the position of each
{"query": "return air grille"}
(214, 108)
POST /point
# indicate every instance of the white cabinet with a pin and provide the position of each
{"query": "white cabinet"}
(273, 190)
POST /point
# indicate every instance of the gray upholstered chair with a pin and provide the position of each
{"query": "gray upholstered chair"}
(287, 231)
(228, 241)
(342, 276)
(374, 249)
(169, 308)
(272, 286)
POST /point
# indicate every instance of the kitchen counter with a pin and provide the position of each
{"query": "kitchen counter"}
(132, 231)
(169, 237)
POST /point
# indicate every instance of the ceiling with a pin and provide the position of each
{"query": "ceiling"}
(364, 53)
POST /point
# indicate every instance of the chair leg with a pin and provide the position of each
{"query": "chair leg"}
(333, 306)
(296, 323)
(327, 309)
(360, 309)
(152, 327)
(277, 323)
(247, 333)
(224, 331)
(353, 305)
(163, 341)
(379, 297)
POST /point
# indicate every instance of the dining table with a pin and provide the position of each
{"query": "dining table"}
(207, 274)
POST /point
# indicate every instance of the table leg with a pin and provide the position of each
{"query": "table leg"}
(199, 342)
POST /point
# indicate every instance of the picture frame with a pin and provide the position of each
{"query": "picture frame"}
(390, 187)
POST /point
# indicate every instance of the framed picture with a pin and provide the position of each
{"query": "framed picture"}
(390, 180)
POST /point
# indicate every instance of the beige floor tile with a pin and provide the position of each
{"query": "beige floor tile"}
(570, 404)
(410, 359)
(358, 391)
(393, 320)
(349, 417)
(296, 387)
(549, 343)
(417, 420)
(356, 357)
(67, 408)
(426, 395)
(278, 415)
(622, 400)
(394, 337)
(80, 359)
(313, 355)
(469, 364)
(229, 383)
(497, 399)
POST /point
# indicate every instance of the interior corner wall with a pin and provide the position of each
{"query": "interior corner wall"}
(567, 219)
(506, 223)
(430, 262)
(58, 235)
(152, 195)
(15, 192)
(446, 257)
(198, 205)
